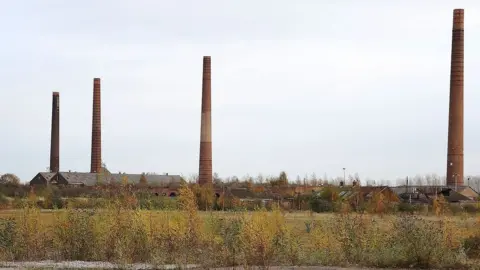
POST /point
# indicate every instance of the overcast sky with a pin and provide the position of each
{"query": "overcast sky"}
(301, 86)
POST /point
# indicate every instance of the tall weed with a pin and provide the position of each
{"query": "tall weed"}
(122, 231)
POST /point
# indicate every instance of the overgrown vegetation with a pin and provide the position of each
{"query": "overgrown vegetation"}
(124, 230)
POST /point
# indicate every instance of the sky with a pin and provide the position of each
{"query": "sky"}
(301, 86)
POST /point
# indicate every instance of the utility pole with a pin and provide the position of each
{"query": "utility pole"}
(344, 176)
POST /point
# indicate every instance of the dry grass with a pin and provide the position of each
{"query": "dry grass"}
(118, 233)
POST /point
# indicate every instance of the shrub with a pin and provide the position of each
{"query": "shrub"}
(470, 208)
(455, 208)
(407, 207)
(7, 237)
(472, 246)
(121, 232)
(52, 198)
(4, 202)
(320, 205)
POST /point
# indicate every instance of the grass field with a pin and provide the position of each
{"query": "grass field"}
(118, 233)
(295, 219)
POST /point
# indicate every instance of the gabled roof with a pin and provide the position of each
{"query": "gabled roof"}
(469, 192)
(152, 179)
(430, 192)
(365, 191)
(47, 175)
(88, 179)
(91, 179)
(453, 196)
(42, 178)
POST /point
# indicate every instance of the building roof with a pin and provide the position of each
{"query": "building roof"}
(454, 196)
(418, 189)
(47, 175)
(75, 178)
(427, 189)
(152, 179)
(449, 193)
(366, 191)
(91, 179)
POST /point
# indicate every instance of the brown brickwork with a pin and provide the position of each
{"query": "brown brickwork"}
(55, 135)
(96, 162)
(455, 117)
(205, 174)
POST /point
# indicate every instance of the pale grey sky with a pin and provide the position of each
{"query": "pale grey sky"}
(301, 86)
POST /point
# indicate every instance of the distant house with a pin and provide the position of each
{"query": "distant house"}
(357, 195)
(426, 194)
(76, 178)
(453, 196)
(155, 180)
(468, 192)
(92, 179)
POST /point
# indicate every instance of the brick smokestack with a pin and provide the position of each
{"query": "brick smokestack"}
(96, 163)
(55, 136)
(455, 117)
(205, 174)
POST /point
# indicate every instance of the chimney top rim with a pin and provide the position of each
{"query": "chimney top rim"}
(56, 93)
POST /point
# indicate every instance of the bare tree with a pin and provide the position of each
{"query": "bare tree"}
(216, 179)
(9, 178)
(260, 179)
(313, 179)
(418, 180)
(298, 181)
(247, 178)
(370, 182)
(353, 178)
(401, 181)
(193, 178)
(436, 180)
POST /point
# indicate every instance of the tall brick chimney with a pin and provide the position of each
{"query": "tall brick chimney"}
(205, 174)
(455, 117)
(55, 136)
(96, 162)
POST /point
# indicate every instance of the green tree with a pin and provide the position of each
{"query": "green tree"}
(52, 197)
(280, 181)
(283, 179)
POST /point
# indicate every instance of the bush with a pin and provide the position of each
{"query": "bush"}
(52, 198)
(470, 208)
(407, 207)
(4, 202)
(455, 208)
(119, 231)
(7, 237)
(320, 205)
(472, 247)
